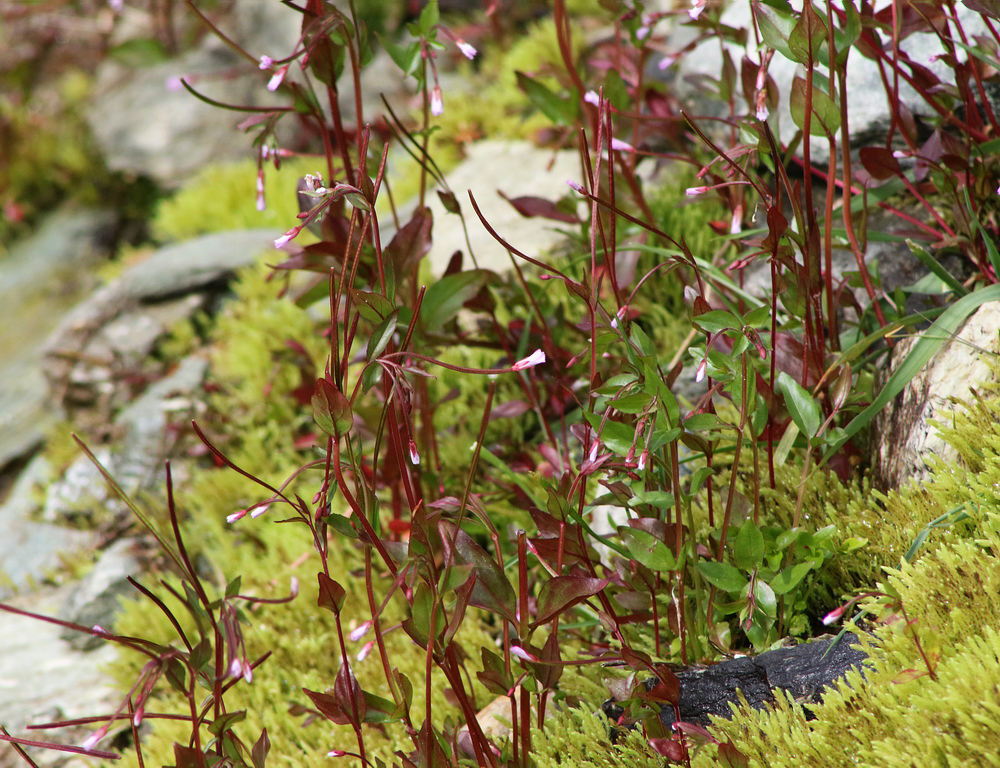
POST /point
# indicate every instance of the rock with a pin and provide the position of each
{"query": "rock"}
(516, 168)
(40, 278)
(30, 549)
(146, 123)
(802, 671)
(96, 599)
(43, 679)
(113, 331)
(903, 438)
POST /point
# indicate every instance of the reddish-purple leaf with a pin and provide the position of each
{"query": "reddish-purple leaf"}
(260, 749)
(674, 751)
(731, 757)
(509, 410)
(530, 206)
(349, 695)
(492, 590)
(187, 757)
(328, 706)
(331, 594)
(989, 8)
(879, 162)
(331, 410)
(667, 688)
(563, 592)
(411, 243)
(449, 201)
(695, 732)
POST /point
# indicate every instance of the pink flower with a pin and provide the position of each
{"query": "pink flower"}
(699, 375)
(437, 104)
(575, 185)
(667, 61)
(336, 753)
(247, 671)
(535, 358)
(621, 146)
(467, 50)
(414, 453)
(260, 510)
(834, 615)
(365, 650)
(360, 631)
(697, 6)
(236, 516)
(276, 78)
(591, 97)
(518, 652)
(174, 84)
(762, 111)
(91, 741)
(236, 668)
(695, 191)
(137, 717)
(294, 586)
(593, 450)
(261, 204)
(266, 62)
(286, 238)
(643, 458)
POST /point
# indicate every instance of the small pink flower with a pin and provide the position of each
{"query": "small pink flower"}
(336, 753)
(519, 653)
(437, 104)
(535, 358)
(593, 450)
(591, 97)
(360, 631)
(286, 238)
(762, 111)
(116, 5)
(643, 459)
(261, 204)
(899, 154)
(365, 650)
(834, 615)
(259, 510)
(642, 33)
(699, 375)
(575, 185)
(236, 516)
(736, 225)
(469, 51)
(294, 588)
(247, 671)
(266, 62)
(91, 741)
(276, 78)
(667, 61)
(99, 631)
(621, 146)
(173, 84)
(695, 191)
(236, 668)
(137, 717)
(414, 453)
(697, 6)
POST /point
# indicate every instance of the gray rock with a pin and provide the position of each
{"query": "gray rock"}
(113, 331)
(903, 438)
(29, 549)
(516, 168)
(40, 278)
(96, 600)
(146, 123)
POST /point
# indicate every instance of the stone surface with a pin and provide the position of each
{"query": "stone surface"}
(30, 549)
(146, 123)
(40, 278)
(516, 168)
(43, 679)
(903, 438)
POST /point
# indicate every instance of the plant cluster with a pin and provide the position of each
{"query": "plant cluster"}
(599, 518)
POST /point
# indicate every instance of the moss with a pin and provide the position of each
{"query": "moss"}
(222, 197)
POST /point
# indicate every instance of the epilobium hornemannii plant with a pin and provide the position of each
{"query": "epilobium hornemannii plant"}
(503, 512)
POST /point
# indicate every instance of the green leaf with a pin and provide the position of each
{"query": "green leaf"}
(804, 409)
(723, 576)
(789, 578)
(561, 111)
(636, 403)
(407, 57)
(374, 307)
(749, 547)
(775, 27)
(717, 320)
(381, 336)
(825, 120)
(647, 549)
(445, 297)
(658, 499)
(139, 52)
(767, 603)
(807, 36)
(927, 345)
